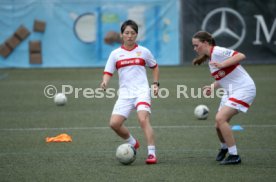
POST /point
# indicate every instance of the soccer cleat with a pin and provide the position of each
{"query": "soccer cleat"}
(137, 145)
(151, 159)
(231, 159)
(221, 155)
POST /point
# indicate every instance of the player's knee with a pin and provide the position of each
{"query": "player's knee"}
(143, 122)
(220, 119)
(216, 126)
(114, 125)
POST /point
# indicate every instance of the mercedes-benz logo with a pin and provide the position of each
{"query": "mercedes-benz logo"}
(235, 28)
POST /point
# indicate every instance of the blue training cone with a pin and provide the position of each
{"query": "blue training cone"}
(237, 128)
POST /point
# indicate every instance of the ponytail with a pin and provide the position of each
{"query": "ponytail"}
(199, 60)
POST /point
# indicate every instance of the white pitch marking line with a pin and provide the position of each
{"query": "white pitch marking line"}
(104, 152)
(104, 127)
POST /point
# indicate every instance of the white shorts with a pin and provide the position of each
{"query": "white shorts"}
(125, 106)
(240, 100)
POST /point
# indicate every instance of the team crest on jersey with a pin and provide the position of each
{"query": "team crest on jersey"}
(221, 73)
(138, 53)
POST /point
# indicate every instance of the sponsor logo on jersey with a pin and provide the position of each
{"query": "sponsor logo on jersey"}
(137, 61)
(227, 53)
(130, 62)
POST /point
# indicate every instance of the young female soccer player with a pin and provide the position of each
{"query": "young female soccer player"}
(130, 60)
(239, 88)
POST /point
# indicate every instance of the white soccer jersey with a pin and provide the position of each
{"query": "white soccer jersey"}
(234, 76)
(239, 86)
(130, 65)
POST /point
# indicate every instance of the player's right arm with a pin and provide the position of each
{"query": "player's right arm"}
(106, 79)
(231, 58)
(110, 67)
(209, 88)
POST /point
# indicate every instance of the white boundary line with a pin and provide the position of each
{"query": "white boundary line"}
(135, 127)
(160, 151)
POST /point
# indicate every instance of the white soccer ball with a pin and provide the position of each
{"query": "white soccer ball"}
(60, 99)
(126, 154)
(201, 112)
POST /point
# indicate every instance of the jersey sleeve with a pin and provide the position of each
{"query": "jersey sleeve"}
(224, 52)
(110, 66)
(150, 60)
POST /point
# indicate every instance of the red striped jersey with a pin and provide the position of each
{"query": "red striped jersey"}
(130, 65)
(235, 75)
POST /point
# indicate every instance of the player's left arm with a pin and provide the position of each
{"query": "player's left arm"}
(155, 74)
(151, 62)
(233, 60)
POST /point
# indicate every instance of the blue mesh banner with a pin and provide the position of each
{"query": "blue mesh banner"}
(81, 33)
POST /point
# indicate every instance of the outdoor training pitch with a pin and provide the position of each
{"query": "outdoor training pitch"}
(186, 147)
